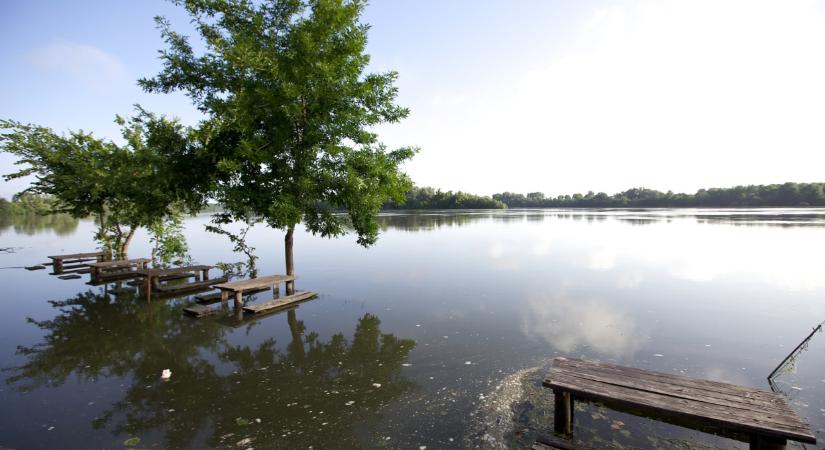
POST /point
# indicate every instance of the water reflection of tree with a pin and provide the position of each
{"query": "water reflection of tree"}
(307, 392)
(30, 224)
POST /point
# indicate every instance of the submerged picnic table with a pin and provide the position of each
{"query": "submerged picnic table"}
(238, 287)
(100, 269)
(153, 277)
(59, 260)
(765, 417)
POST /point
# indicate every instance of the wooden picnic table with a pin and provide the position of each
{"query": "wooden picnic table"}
(99, 269)
(765, 417)
(153, 277)
(58, 260)
(238, 287)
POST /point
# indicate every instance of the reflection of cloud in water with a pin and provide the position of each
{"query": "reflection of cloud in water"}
(570, 325)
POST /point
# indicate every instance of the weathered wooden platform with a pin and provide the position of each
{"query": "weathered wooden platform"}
(279, 303)
(765, 417)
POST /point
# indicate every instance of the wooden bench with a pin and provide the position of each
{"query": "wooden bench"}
(101, 269)
(59, 260)
(237, 288)
(764, 417)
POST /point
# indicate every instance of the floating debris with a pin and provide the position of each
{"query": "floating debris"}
(37, 267)
(131, 442)
(658, 355)
(467, 363)
(350, 403)
(166, 375)
(376, 385)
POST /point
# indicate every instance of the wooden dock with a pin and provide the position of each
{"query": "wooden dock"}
(765, 417)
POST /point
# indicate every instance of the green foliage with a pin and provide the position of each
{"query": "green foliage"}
(168, 241)
(787, 194)
(248, 268)
(124, 187)
(290, 112)
(429, 198)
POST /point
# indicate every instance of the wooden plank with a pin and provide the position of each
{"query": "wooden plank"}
(120, 263)
(766, 413)
(69, 277)
(188, 286)
(711, 387)
(661, 385)
(206, 299)
(680, 408)
(254, 283)
(78, 255)
(199, 311)
(279, 303)
(172, 270)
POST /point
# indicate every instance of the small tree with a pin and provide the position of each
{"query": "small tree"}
(125, 187)
(290, 109)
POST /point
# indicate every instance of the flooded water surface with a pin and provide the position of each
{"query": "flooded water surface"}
(437, 337)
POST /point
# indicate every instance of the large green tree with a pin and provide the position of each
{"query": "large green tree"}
(290, 113)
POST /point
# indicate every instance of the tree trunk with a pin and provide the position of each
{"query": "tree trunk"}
(101, 233)
(124, 247)
(290, 264)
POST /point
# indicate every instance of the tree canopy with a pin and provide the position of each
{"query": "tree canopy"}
(290, 113)
(124, 186)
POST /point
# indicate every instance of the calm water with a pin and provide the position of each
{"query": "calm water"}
(438, 336)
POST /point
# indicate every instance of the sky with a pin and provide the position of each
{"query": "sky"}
(547, 95)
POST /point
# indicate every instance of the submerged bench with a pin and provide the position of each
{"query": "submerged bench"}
(239, 287)
(765, 417)
(59, 260)
(101, 269)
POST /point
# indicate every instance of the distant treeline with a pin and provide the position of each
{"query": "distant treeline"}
(27, 204)
(430, 198)
(787, 194)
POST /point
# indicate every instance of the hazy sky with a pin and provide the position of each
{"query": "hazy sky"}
(551, 96)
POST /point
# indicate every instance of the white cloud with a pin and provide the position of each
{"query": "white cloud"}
(569, 326)
(670, 95)
(84, 62)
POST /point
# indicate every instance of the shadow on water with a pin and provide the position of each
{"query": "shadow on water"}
(268, 394)
(31, 224)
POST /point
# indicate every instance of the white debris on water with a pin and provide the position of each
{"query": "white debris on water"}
(658, 355)
(495, 414)
(166, 374)
(350, 403)
(376, 385)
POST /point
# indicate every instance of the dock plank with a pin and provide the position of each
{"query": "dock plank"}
(725, 405)
(279, 303)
